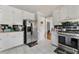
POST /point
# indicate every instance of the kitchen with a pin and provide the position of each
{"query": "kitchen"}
(15, 28)
(63, 26)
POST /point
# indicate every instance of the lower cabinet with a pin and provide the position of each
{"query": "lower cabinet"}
(9, 40)
(1, 45)
(54, 39)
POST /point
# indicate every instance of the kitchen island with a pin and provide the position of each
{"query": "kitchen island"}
(10, 39)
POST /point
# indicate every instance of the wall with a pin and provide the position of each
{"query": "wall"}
(50, 19)
(41, 26)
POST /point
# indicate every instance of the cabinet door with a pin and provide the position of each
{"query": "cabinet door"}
(54, 38)
(3, 41)
(6, 41)
(18, 38)
(71, 11)
(1, 20)
(28, 15)
(7, 14)
(63, 14)
(1, 44)
(56, 17)
(17, 16)
(11, 15)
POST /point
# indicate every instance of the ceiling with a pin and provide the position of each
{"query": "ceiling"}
(45, 9)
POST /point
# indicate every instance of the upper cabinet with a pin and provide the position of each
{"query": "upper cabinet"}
(28, 15)
(57, 17)
(17, 16)
(6, 15)
(1, 16)
(70, 12)
(11, 15)
(65, 13)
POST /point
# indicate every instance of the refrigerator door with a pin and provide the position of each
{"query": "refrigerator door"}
(29, 30)
(34, 35)
(34, 29)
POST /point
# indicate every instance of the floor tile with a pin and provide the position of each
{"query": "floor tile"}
(43, 47)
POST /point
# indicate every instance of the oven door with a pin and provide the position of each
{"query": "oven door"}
(68, 40)
(74, 43)
(62, 39)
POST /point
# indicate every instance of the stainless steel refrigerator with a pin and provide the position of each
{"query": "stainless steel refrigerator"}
(30, 32)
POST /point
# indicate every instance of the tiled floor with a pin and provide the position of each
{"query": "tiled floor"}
(43, 47)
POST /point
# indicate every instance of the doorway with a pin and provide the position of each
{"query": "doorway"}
(48, 31)
(48, 26)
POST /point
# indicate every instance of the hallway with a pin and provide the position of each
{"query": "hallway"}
(43, 47)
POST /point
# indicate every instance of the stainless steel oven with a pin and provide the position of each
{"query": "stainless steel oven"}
(69, 43)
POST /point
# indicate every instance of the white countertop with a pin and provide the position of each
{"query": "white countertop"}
(11, 32)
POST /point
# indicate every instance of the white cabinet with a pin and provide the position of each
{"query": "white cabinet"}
(70, 12)
(27, 15)
(18, 18)
(56, 17)
(54, 39)
(1, 20)
(64, 13)
(7, 14)
(11, 15)
(1, 44)
(9, 40)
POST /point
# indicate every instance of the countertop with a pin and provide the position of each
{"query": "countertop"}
(66, 33)
(11, 32)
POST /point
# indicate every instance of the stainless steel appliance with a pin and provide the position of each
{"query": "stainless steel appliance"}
(69, 43)
(68, 37)
(30, 33)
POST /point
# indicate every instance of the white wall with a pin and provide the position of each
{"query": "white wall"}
(49, 19)
(41, 27)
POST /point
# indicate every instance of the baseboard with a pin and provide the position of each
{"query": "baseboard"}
(11, 48)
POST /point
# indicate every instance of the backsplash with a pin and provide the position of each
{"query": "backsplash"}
(10, 28)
